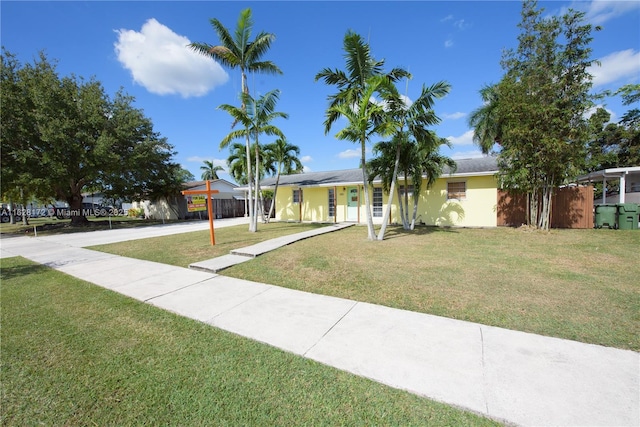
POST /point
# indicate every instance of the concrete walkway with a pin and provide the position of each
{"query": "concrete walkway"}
(513, 376)
(241, 255)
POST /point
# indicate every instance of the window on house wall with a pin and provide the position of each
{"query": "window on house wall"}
(409, 188)
(377, 201)
(297, 196)
(332, 203)
(457, 190)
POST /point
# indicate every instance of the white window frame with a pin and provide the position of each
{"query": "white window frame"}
(377, 209)
(331, 194)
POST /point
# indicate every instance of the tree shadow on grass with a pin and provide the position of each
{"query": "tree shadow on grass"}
(17, 267)
(396, 231)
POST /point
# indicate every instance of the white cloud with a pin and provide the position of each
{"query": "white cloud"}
(447, 18)
(306, 169)
(160, 60)
(306, 159)
(600, 11)
(381, 102)
(460, 24)
(349, 154)
(464, 139)
(448, 43)
(197, 159)
(473, 154)
(453, 116)
(624, 64)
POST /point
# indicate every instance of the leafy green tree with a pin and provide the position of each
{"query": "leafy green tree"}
(363, 80)
(238, 51)
(613, 145)
(629, 154)
(541, 104)
(18, 182)
(134, 160)
(210, 171)
(256, 118)
(73, 136)
(603, 146)
(284, 158)
(630, 95)
(183, 175)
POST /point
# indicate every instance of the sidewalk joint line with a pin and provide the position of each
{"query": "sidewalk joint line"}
(330, 329)
(179, 289)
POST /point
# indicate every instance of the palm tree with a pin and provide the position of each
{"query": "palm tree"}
(413, 160)
(485, 120)
(385, 164)
(363, 79)
(256, 119)
(411, 122)
(237, 163)
(430, 164)
(285, 158)
(209, 171)
(238, 51)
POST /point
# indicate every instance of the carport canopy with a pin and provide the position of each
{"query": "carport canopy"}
(621, 174)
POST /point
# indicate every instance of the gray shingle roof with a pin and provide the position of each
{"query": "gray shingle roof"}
(481, 166)
(477, 165)
(201, 185)
(317, 178)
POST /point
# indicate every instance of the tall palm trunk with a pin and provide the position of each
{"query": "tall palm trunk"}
(256, 185)
(245, 90)
(262, 212)
(371, 233)
(392, 189)
(401, 213)
(415, 209)
(405, 220)
(275, 193)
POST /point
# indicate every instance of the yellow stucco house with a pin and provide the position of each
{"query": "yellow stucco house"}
(466, 197)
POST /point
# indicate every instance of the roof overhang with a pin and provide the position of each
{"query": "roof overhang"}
(301, 185)
(352, 183)
(609, 173)
(467, 174)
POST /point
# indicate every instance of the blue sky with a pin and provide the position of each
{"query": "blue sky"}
(140, 46)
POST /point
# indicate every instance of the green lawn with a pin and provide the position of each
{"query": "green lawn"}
(76, 354)
(187, 248)
(576, 284)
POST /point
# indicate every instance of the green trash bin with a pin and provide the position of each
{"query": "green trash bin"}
(627, 216)
(606, 215)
